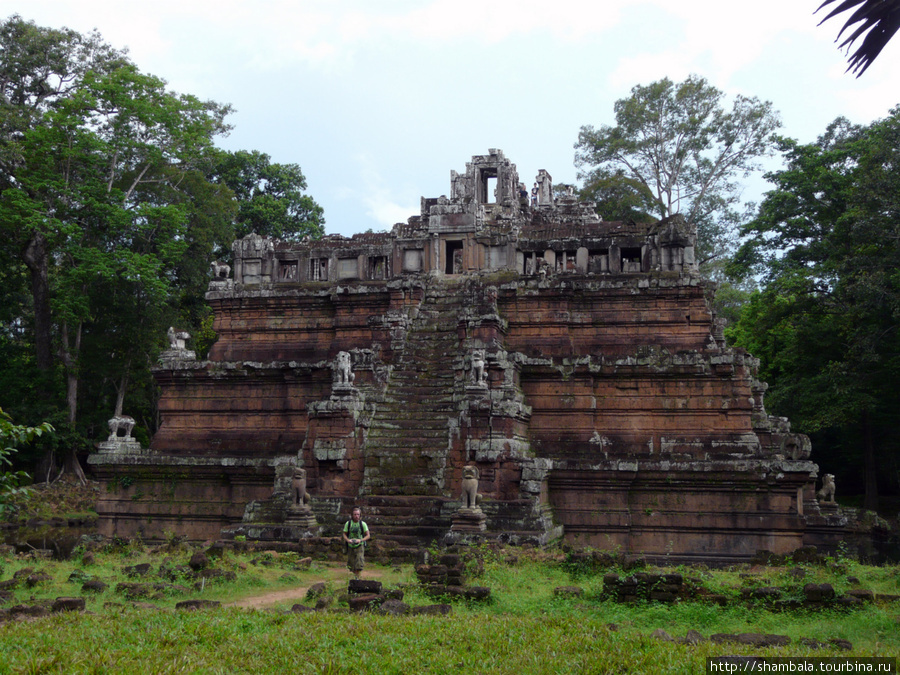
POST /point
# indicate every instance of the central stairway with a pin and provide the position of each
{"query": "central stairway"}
(405, 482)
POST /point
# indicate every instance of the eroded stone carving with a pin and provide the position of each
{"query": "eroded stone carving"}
(177, 338)
(826, 494)
(120, 440)
(220, 270)
(470, 497)
(301, 496)
(343, 370)
(120, 423)
(479, 372)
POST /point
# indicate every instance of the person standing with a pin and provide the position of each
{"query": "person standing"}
(356, 534)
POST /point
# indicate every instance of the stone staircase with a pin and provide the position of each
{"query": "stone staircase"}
(411, 432)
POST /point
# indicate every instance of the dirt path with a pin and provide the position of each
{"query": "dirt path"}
(299, 593)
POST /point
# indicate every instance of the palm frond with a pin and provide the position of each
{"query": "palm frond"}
(878, 19)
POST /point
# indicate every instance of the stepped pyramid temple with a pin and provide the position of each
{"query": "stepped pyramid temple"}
(504, 365)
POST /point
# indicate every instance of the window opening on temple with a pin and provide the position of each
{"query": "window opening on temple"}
(631, 259)
(288, 270)
(487, 186)
(377, 267)
(598, 260)
(453, 263)
(318, 269)
(565, 261)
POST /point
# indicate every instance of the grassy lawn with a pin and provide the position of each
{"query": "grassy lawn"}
(524, 629)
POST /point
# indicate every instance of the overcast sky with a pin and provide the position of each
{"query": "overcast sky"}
(377, 100)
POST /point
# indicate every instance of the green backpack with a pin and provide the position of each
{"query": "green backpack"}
(363, 528)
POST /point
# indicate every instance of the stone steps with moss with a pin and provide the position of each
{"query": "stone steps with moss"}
(409, 438)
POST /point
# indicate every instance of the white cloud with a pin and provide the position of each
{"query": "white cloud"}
(382, 204)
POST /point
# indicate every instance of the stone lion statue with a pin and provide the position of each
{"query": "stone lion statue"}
(120, 422)
(479, 372)
(177, 338)
(826, 494)
(470, 497)
(301, 496)
(343, 369)
(220, 270)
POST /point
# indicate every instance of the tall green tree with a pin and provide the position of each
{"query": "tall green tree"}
(826, 245)
(113, 201)
(271, 197)
(677, 148)
(93, 163)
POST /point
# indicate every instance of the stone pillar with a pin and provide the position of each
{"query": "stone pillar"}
(545, 188)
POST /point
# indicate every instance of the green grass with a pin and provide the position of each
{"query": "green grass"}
(524, 629)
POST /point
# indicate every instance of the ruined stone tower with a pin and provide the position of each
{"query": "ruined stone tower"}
(575, 362)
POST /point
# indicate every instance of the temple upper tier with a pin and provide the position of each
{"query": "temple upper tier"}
(491, 221)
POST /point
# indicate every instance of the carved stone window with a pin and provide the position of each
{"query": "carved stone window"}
(487, 185)
(287, 270)
(598, 261)
(565, 261)
(631, 260)
(318, 269)
(377, 267)
(453, 257)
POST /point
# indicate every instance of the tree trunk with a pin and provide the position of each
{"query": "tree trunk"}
(870, 501)
(69, 354)
(120, 391)
(35, 257)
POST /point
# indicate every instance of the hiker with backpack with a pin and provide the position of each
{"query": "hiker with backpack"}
(355, 535)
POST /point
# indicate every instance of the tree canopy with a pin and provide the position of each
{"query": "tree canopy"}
(675, 148)
(826, 245)
(113, 201)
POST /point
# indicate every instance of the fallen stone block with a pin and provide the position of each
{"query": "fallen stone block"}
(393, 607)
(367, 586)
(767, 594)
(68, 605)
(478, 593)
(358, 603)
(819, 592)
(862, 594)
(692, 637)
(752, 639)
(192, 605)
(38, 578)
(198, 561)
(316, 590)
(93, 586)
(432, 610)
(660, 634)
(141, 570)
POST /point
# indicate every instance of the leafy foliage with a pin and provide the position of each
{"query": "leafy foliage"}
(675, 148)
(113, 201)
(11, 437)
(826, 244)
(271, 197)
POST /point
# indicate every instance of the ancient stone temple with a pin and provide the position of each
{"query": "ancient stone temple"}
(569, 365)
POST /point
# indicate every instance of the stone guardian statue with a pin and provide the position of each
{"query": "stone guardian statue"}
(470, 497)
